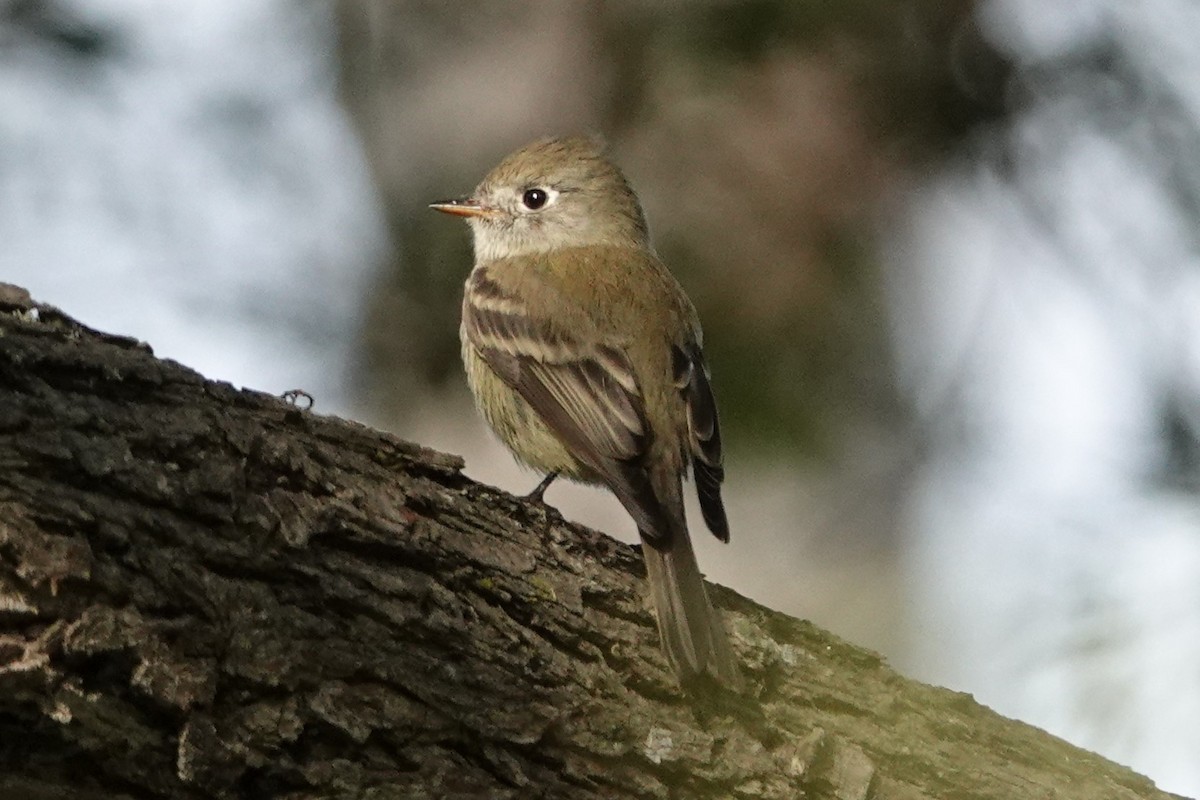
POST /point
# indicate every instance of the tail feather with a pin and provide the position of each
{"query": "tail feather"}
(692, 634)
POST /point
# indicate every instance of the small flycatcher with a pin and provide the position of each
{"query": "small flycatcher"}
(584, 354)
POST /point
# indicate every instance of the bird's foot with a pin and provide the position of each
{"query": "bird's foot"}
(538, 495)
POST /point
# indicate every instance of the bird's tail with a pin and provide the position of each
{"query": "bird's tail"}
(692, 634)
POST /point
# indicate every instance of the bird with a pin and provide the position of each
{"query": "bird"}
(585, 356)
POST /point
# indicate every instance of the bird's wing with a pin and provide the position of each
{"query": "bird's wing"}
(693, 380)
(583, 388)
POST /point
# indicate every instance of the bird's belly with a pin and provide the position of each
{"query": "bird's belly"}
(516, 423)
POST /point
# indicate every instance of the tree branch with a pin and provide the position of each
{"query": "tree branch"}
(207, 592)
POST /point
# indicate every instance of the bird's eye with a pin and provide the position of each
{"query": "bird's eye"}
(535, 198)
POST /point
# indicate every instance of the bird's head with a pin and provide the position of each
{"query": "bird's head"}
(551, 194)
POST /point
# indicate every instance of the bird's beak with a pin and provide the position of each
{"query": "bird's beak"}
(463, 207)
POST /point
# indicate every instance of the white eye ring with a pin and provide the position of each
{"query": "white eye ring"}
(535, 198)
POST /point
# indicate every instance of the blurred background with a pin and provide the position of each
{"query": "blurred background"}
(947, 255)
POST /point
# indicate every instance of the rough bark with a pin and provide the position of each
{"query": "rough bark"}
(207, 592)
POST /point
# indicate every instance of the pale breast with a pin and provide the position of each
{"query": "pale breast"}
(514, 420)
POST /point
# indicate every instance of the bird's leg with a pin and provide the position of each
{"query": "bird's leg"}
(539, 491)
